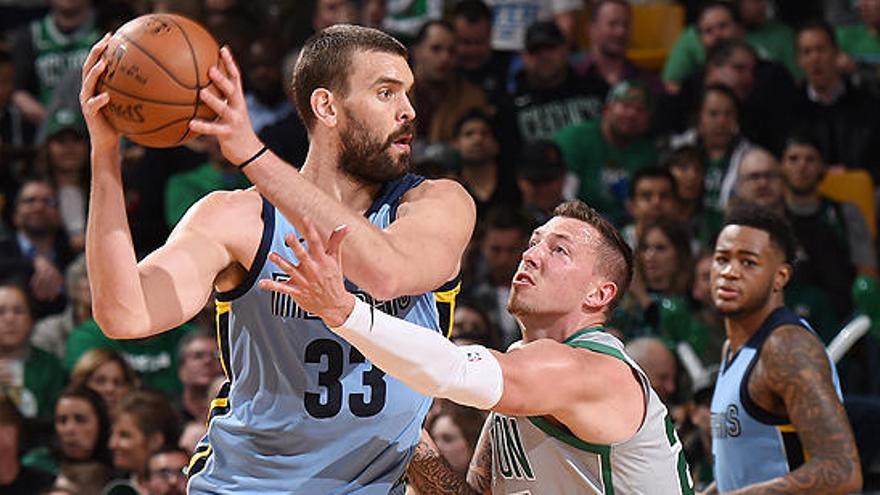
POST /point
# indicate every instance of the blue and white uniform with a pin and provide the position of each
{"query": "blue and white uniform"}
(751, 445)
(303, 411)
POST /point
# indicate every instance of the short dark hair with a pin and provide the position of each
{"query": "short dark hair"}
(472, 11)
(426, 27)
(649, 172)
(165, 449)
(723, 89)
(325, 61)
(817, 24)
(189, 338)
(19, 283)
(473, 114)
(597, 7)
(776, 225)
(720, 53)
(683, 154)
(718, 4)
(804, 138)
(615, 255)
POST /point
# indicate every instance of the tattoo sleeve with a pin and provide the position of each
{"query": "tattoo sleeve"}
(431, 474)
(795, 367)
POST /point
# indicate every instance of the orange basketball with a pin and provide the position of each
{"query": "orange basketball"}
(156, 65)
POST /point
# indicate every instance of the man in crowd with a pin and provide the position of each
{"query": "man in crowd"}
(606, 62)
(548, 94)
(38, 252)
(844, 119)
(441, 95)
(603, 153)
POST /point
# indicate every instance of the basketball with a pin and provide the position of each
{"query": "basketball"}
(156, 65)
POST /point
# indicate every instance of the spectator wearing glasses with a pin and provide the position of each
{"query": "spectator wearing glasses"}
(37, 253)
(198, 365)
(165, 474)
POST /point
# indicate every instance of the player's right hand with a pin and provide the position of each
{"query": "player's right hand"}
(102, 134)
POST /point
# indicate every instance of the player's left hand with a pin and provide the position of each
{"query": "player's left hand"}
(316, 281)
(233, 128)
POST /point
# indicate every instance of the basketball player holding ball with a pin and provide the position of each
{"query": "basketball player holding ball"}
(303, 411)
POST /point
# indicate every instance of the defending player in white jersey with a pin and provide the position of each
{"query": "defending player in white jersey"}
(571, 412)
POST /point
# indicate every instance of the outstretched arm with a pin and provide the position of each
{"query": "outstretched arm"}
(419, 252)
(795, 367)
(132, 300)
(471, 375)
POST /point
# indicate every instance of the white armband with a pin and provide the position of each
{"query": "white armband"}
(423, 359)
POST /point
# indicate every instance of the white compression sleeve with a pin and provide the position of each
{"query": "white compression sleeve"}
(424, 360)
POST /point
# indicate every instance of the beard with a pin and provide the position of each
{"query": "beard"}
(516, 306)
(368, 161)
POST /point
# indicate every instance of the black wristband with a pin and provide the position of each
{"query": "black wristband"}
(253, 158)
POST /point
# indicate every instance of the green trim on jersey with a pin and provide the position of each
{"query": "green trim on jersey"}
(683, 475)
(604, 451)
(582, 332)
(601, 349)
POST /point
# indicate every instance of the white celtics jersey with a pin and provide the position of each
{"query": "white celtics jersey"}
(531, 455)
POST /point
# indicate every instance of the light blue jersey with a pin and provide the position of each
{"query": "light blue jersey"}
(751, 445)
(304, 412)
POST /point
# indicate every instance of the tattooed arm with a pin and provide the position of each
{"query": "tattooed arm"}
(793, 366)
(430, 474)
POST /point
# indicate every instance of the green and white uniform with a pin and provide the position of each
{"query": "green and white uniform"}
(531, 455)
(54, 54)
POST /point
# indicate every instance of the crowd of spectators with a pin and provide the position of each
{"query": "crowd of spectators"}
(526, 104)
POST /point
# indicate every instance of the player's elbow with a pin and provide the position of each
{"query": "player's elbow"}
(854, 478)
(116, 324)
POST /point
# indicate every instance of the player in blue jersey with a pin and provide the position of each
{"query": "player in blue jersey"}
(778, 424)
(302, 411)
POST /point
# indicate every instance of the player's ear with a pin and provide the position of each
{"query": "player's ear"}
(600, 295)
(324, 106)
(781, 278)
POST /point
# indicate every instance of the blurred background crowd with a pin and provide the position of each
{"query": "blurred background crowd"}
(658, 113)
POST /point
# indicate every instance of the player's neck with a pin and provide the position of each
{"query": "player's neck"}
(322, 169)
(556, 327)
(740, 328)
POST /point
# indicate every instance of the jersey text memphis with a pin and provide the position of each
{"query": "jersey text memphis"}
(305, 412)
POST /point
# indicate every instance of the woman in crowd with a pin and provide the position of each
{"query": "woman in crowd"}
(455, 430)
(661, 278)
(82, 432)
(717, 135)
(143, 422)
(105, 372)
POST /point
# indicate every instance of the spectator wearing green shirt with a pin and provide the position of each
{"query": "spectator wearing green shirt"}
(719, 20)
(603, 153)
(31, 377)
(862, 40)
(860, 44)
(185, 188)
